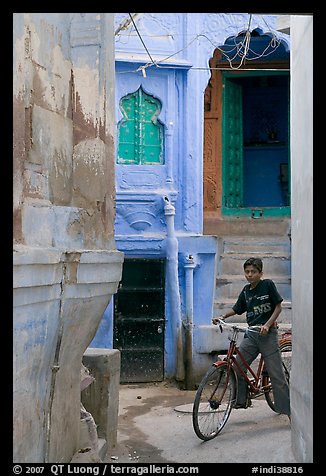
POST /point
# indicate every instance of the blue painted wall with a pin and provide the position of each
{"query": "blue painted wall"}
(181, 45)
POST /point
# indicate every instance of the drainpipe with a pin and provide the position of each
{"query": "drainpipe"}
(188, 324)
(173, 288)
(169, 140)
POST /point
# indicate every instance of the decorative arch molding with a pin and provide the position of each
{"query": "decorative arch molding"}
(212, 151)
(218, 27)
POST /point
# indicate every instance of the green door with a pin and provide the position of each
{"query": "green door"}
(140, 132)
(232, 145)
(139, 321)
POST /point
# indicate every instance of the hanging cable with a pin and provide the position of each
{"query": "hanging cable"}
(141, 39)
(241, 50)
(125, 24)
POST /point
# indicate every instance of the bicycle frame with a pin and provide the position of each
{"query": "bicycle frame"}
(255, 382)
(217, 392)
(233, 351)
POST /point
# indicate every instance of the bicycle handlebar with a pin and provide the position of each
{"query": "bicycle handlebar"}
(240, 329)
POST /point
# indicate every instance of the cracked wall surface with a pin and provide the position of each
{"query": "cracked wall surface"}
(63, 134)
(66, 266)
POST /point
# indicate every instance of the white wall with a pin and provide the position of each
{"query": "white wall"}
(302, 236)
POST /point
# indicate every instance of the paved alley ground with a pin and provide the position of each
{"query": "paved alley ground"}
(155, 426)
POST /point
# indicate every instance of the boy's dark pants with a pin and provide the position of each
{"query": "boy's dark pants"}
(251, 345)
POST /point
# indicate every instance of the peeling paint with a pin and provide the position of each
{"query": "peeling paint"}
(87, 94)
(57, 298)
(18, 70)
(90, 171)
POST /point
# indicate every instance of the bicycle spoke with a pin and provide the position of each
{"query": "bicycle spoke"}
(213, 402)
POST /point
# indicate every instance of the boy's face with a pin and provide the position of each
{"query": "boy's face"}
(252, 274)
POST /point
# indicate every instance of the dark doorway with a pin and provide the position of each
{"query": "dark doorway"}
(256, 149)
(246, 130)
(139, 321)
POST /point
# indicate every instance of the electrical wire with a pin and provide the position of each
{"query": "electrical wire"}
(240, 50)
(141, 38)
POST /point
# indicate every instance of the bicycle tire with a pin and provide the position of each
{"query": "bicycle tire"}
(286, 350)
(213, 401)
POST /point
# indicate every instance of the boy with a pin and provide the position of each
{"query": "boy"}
(262, 304)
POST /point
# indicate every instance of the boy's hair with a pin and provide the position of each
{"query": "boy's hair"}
(256, 262)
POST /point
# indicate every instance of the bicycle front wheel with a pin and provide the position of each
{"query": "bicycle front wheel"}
(286, 354)
(213, 401)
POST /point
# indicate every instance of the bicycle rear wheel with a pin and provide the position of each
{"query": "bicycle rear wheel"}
(286, 353)
(213, 401)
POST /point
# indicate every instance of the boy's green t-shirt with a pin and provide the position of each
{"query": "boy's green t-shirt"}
(259, 303)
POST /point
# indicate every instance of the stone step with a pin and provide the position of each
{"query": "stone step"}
(229, 286)
(273, 265)
(256, 246)
(275, 252)
(211, 340)
(229, 303)
(221, 306)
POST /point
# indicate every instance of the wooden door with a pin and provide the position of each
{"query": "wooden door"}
(232, 145)
(139, 320)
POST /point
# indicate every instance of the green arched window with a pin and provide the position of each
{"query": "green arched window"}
(140, 132)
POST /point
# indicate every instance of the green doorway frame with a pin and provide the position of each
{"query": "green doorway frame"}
(232, 150)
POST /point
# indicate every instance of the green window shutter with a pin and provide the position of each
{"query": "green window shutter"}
(232, 145)
(140, 133)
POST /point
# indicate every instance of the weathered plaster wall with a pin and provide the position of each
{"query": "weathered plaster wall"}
(302, 236)
(63, 132)
(66, 266)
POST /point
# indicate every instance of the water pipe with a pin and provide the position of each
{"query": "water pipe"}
(172, 280)
(188, 323)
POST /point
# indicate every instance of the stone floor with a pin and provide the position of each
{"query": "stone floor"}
(155, 426)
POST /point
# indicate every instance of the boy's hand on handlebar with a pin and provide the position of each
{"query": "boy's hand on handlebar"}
(216, 320)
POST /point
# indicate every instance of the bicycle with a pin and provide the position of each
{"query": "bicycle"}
(216, 393)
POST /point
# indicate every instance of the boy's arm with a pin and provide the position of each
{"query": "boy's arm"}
(238, 308)
(224, 316)
(277, 311)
